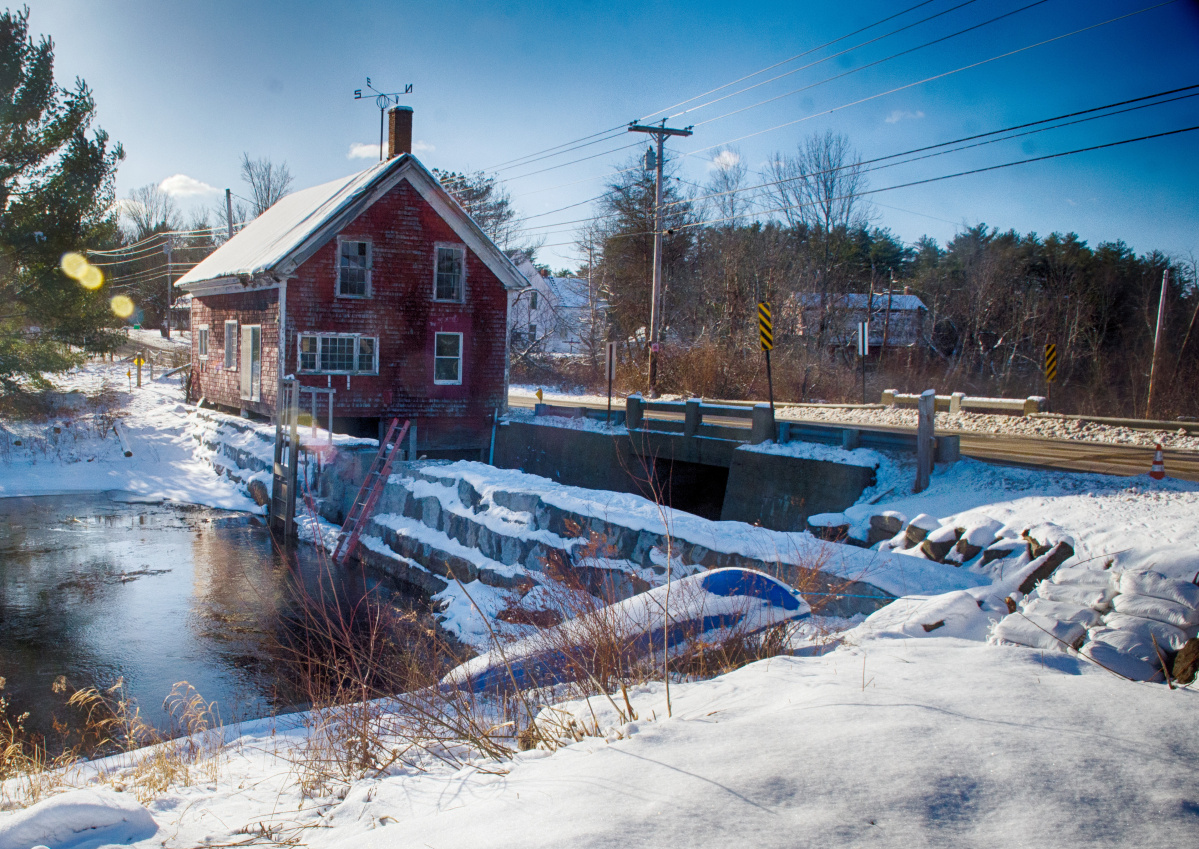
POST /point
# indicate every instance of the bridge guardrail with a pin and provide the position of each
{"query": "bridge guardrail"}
(959, 401)
(762, 426)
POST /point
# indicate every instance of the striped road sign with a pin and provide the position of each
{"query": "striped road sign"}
(1051, 362)
(765, 326)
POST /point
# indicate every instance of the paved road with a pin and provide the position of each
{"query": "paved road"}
(1063, 454)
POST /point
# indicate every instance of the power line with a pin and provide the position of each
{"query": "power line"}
(619, 128)
(850, 50)
(935, 77)
(787, 207)
(963, 173)
(869, 98)
(768, 68)
(945, 144)
(876, 62)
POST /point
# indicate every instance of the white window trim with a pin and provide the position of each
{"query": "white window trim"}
(231, 350)
(202, 340)
(300, 337)
(370, 265)
(458, 246)
(461, 359)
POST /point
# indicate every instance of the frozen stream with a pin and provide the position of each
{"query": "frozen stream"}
(99, 587)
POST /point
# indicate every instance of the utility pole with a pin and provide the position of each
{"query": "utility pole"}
(886, 321)
(167, 250)
(655, 312)
(229, 210)
(1157, 341)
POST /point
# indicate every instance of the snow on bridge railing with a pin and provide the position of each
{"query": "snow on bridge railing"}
(960, 401)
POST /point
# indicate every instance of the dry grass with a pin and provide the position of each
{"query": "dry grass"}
(99, 724)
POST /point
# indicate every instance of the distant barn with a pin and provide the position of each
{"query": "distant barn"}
(380, 292)
(835, 318)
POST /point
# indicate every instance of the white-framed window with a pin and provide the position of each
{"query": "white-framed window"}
(338, 353)
(533, 301)
(447, 358)
(231, 344)
(353, 269)
(449, 277)
(202, 341)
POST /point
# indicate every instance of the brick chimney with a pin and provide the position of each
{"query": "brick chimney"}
(399, 130)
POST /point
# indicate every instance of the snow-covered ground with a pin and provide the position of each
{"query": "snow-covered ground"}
(86, 456)
(915, 731)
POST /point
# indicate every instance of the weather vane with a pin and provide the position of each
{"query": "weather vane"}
(382, 100)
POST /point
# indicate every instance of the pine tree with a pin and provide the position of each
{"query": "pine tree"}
(56, 196)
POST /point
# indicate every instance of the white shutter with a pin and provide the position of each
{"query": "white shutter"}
(247, 348)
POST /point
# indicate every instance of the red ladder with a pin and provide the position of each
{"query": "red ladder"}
(369, 492)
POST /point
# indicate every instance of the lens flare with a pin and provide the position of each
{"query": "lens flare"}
(74, 265)
(92, 278)
(122, 306)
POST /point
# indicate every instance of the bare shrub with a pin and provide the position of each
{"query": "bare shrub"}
(100, 723)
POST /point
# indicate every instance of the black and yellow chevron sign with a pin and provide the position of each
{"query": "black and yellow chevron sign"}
(1051, 362)
(765, 326)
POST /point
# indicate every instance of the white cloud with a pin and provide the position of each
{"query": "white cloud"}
(371, 150)
(363, 151)
(181, 185)
(901, 115)
(725, 159)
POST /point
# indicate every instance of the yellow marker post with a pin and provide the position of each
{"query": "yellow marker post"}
(1050, 371)
(138, 361)
(766, 338)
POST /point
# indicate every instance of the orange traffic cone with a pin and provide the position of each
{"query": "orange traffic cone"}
(1159, 465)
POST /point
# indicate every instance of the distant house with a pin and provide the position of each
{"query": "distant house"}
(554, 315)
(377, 286)
(899, 316)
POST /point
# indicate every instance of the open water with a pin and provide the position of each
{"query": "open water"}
(100, 588)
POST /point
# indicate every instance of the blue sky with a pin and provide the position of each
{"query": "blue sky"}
(187, 87)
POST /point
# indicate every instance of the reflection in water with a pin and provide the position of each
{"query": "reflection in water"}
(98, 589)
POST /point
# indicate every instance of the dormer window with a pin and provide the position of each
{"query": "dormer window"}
(448, 284)
(354, 270)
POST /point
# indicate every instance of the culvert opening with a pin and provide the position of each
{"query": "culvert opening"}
(693, 487)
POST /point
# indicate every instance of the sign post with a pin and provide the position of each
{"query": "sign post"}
(139, 361)
(1050, 370)
(766, 338)
(863, 351)
(610, 372)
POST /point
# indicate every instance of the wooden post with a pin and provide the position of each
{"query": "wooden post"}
(925, 437)
(1150, 409)
(610, 369)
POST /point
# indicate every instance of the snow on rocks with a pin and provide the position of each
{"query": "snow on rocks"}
(78, 818)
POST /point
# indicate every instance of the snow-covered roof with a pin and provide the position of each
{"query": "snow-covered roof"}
(854, 301)
(568, 292)
(271, 246)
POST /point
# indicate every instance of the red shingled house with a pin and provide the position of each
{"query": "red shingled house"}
(377, 286)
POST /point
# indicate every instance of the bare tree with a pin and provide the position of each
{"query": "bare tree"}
(487, 201)
(819, 187)
(729, 200)
(149, 210)
(268, 182)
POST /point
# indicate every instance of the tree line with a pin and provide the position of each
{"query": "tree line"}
(801, 235)
(798, 234)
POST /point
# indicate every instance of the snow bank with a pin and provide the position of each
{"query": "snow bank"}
(76, 819)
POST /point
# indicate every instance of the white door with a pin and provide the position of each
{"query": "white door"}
(251, 362)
